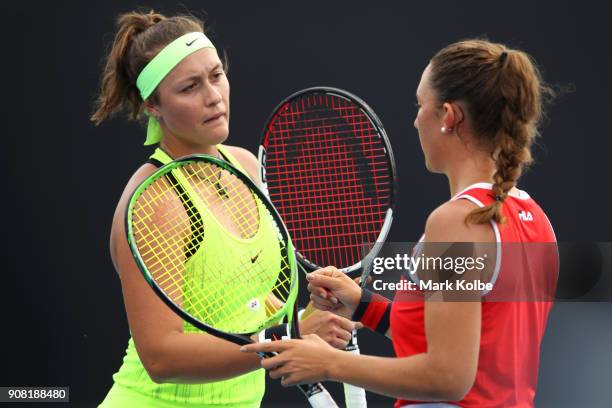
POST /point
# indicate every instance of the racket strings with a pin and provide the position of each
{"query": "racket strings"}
(224, 307)
(232, 292)
(174, 227)
(229, 199)
(329, 176)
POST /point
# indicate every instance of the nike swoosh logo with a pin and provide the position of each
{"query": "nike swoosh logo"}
(190, 42)
(254, 258)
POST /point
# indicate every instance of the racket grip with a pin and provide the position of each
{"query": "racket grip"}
(354, 397)
(318, 396)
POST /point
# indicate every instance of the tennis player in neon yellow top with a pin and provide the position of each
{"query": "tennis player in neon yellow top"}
(169, 70)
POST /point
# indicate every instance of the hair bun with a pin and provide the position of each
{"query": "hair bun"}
(141, 21)
(153, 18)
(136, 22)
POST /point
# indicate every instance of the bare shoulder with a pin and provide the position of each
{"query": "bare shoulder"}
(118, 228)
(138, 177)
(247, 160)
(447, 224)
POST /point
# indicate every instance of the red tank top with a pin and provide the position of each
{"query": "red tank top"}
(511, 331)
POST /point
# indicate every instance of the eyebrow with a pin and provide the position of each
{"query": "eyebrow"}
(197, 76)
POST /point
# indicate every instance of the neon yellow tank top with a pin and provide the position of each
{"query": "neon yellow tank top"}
(132, 382)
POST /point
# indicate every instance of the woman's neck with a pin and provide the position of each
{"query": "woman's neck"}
(176, 149)
(468, 172)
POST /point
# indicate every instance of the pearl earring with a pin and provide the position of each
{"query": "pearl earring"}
(444, 129)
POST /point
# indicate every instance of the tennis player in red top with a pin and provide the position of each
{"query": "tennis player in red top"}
(480, 105)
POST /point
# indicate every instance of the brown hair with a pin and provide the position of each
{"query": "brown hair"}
(502, 90)
(140, 36)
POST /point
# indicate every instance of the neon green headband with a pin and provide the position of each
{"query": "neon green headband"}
(157, 69)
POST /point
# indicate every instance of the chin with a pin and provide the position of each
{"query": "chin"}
(431, 168)
(220, 137)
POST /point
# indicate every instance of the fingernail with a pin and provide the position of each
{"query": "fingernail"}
(243, 349)
(309, 276)
(333, 300)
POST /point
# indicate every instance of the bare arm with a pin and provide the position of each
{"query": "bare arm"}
(445, 372)
(448, 369)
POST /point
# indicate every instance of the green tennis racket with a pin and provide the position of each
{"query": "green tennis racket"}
(215, 250)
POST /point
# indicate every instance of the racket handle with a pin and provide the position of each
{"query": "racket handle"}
(354, 397)
(318, 396)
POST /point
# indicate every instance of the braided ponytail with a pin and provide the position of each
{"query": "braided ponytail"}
(502, 89)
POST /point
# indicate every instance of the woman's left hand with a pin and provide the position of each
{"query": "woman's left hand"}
(299, 361)
(335, 330)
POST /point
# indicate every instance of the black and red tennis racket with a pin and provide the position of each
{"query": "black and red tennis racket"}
(328, 168)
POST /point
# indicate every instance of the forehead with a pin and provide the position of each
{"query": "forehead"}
(423, 89)
(202, 61)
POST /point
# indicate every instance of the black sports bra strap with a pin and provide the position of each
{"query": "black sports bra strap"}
(155, 162)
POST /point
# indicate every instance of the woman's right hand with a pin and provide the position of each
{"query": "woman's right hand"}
(332, 290)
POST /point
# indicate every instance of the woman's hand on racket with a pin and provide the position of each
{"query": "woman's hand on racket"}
(332, 290)
(299, 361)
(333, 329)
